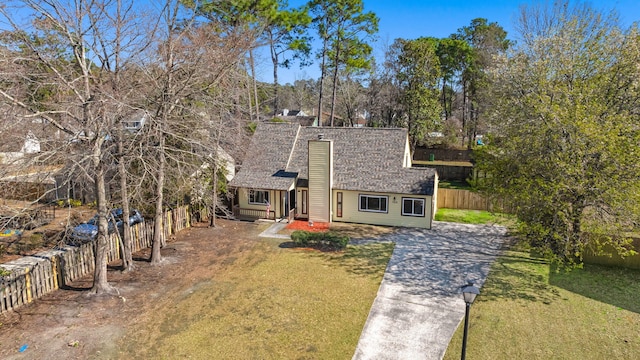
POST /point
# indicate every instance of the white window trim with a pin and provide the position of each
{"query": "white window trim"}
(360, 196)
(257, 203)
(413, 200)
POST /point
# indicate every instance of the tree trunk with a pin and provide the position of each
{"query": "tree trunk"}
(322, 74)
(158, 233)
(214, 192)
(249, 96)
(255, 84)
(127, 253)
(274, 59)
(464, 110)
(444, 99)
(473, 118)
(100, 284)
(335, 84)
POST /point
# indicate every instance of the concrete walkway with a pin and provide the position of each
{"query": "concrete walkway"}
(274, 229)
(419, 303)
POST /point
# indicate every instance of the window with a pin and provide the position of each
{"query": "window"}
(339, 204)
(258, 197)
(304, 201)
(373, 203)
(412, 207)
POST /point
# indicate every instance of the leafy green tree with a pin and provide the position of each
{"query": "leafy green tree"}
(417, 76)
(486, 40)
(344, 30)
(564, 141)
(454, 55)
(286, 32)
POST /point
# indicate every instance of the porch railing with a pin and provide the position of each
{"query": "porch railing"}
(240, 213)
(292, 215)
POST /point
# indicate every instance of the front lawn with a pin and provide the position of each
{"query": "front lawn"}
(528, 310)
(275, 302)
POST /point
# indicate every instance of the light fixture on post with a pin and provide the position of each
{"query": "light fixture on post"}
(469, 293)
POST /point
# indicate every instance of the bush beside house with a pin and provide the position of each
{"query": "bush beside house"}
(320, 240)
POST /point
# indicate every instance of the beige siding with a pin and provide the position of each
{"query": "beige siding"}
(274, 200)
(434, 202)
(407, 155)
(393, 217)
(243, 200)
(320, 180)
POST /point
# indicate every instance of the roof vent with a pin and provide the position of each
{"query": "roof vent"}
(320, 136)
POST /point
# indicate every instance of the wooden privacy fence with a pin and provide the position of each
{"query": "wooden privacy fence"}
(468, 200)
(32, 277)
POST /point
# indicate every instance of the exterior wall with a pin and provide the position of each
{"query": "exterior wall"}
(434, 203)
(393, 217)
(407, 155)
(243, 201)
(320, 180)
(275, 199)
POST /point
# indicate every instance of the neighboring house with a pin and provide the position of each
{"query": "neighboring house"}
(226, 160)
(24, 172)
(287, 112)
(361, 119)
(135, 122)
(325, 119)
(20, 138)
(359, 175)
(297, 117)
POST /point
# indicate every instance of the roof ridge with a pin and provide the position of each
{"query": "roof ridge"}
(366, 128)
(293, 146)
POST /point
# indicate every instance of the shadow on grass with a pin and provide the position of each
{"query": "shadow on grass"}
(369, 259)
(615, 286)
(517, 276)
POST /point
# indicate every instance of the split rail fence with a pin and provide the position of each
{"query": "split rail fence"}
(32, 277)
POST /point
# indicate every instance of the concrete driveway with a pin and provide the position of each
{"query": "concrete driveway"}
(419, 304)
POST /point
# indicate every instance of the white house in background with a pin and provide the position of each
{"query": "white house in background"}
(135, 122)
(21, 137)
(287, 112)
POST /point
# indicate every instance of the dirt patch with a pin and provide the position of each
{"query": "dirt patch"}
(69, 324)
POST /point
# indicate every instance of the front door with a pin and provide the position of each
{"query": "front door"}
(292, 199)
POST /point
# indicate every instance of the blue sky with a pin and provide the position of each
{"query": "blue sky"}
(410, 19)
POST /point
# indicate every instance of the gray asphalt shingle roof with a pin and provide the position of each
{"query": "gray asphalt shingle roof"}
(365, 159)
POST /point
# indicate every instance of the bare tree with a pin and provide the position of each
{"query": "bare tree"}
(75, 48)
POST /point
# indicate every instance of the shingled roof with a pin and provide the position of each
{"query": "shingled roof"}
(365, 159)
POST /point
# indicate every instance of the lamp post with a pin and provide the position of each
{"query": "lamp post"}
(469, 293)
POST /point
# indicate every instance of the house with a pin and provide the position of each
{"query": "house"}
(287, 112)
(297, 117)
(135, 122)
(358, 175)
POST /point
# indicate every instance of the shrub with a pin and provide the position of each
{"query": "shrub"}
(321, 240)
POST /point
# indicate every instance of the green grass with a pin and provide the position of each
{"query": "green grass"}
(528, 310)
(472, 217)
(274, 303)
(454, 184)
